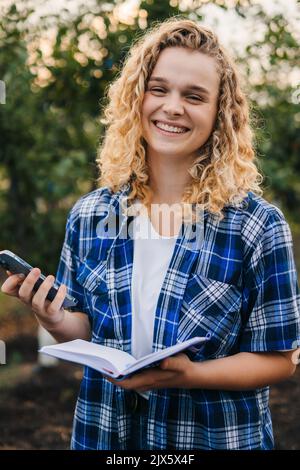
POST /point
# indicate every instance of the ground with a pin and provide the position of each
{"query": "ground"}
(37, 405)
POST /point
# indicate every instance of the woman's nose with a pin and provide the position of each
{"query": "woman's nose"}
(173, 105)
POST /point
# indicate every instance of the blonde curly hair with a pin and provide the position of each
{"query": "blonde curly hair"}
(224, 170)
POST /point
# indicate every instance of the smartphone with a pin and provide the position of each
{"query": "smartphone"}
(16, 265)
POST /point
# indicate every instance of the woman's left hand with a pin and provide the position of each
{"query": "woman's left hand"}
(173, 372)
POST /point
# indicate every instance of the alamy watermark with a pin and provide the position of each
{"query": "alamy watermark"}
(173, 220)
(2, 92)
(2, 352)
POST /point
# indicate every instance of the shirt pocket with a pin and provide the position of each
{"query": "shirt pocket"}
(211, 306)
(91, 275)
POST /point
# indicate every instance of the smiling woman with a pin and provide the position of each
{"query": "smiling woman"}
(178, 115)
(178, 133)
(186, 81)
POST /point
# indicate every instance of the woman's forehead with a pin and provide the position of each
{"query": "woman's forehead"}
(186, 67)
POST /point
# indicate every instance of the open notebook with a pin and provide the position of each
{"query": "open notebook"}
(115, 362)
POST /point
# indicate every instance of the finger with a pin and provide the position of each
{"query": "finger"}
(39, 298)
(163, 379)
(11, 284)
(149, 379)
(58, 300)
(174, 363)
(170, 364)
(127, 384)
(26, 290)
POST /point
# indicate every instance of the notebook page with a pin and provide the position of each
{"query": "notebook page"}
(80, 350)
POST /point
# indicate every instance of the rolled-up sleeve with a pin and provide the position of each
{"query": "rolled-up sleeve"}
(271, 299)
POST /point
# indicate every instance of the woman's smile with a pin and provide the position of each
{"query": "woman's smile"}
(169, 133)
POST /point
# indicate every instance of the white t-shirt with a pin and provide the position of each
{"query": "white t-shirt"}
(151, 259)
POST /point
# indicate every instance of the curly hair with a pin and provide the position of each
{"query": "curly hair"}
(225, 168)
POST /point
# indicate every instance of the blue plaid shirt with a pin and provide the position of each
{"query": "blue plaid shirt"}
(240, 286)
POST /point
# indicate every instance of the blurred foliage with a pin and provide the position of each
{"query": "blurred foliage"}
(277, 103)
(51, 123)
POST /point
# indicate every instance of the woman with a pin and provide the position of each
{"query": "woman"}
(178, 134)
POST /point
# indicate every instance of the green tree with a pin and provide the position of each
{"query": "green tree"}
(50, 125)
(277, 102)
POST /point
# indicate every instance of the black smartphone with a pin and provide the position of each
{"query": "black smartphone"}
(16, 265)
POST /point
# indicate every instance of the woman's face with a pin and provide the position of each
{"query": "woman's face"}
(182, 92)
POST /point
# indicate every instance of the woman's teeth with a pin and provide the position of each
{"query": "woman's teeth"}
(165, 127)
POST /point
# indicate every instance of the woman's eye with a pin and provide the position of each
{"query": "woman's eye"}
(195, 98)
(161, 90)
(157, 89)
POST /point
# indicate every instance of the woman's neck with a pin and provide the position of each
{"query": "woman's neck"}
(168, 181)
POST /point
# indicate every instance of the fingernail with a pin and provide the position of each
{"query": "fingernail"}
(21, 276)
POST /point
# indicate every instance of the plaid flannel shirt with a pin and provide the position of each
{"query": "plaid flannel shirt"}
(240, 286)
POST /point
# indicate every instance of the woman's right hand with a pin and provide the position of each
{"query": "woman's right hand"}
(49, 314)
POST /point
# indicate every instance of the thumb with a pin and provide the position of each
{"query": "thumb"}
(173, 363)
